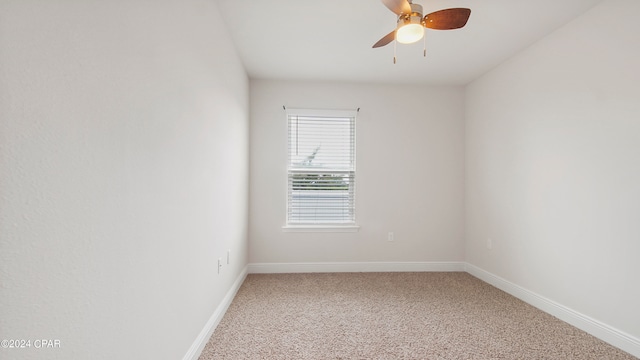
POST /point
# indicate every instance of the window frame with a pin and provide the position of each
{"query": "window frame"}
(292, 226)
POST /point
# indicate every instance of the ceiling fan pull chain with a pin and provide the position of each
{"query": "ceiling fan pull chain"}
(424, 50)
(395, 46)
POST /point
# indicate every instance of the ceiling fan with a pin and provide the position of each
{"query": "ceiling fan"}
(410, 25)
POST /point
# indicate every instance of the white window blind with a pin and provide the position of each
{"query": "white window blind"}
(321, 167)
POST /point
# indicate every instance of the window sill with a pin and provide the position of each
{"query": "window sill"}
(321, 228)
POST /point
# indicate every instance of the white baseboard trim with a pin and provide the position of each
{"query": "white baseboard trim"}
(326, 267)
(592, 326)
(198, 345)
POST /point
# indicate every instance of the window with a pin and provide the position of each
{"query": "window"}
(321, 168)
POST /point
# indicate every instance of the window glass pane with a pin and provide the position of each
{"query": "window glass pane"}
(321, 142)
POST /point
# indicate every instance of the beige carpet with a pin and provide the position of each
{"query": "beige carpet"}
(391, 316)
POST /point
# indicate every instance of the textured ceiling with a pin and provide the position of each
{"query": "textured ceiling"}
(331, 39)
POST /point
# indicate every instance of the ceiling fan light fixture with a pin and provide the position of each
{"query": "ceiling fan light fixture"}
(410, 31)
(410, 25)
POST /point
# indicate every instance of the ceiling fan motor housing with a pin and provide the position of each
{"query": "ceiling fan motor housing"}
(416, 10)
(414, 18)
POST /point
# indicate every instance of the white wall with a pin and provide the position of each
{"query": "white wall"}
(410, 176)
(123, 175)
(553, 167)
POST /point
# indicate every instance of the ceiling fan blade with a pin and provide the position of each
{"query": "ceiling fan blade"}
(398, 6)
(447, 19)
(386, 39)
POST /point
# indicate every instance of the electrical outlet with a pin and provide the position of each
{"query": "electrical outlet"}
(228, 256)
(489, 243)
(219, 264)
(390, 237)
